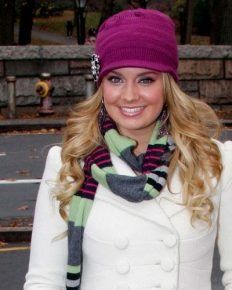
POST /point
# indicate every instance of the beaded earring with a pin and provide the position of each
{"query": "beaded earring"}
(95, 66)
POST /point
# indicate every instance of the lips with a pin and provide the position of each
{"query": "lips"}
(132, 111)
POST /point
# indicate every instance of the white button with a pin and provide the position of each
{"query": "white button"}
(121, 242)
(123, 267)
(167, 285)
(123, 287)
(167, 264)
(169, 241)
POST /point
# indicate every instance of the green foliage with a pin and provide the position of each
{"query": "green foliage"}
(46, 8)
(177, 7)
(92, 19)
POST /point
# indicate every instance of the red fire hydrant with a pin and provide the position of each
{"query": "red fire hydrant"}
(44, 89)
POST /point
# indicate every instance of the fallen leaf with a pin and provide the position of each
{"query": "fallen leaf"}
(8, 179)
(23, 172)
(24, 207)
(3, 244)
(14, 224)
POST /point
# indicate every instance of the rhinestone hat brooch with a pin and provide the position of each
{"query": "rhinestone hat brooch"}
(95, 66)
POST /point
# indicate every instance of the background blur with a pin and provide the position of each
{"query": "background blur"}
(197, 21)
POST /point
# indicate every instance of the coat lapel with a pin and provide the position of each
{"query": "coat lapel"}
(158, 210)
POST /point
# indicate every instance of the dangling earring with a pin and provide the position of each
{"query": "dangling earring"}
(102, 115)
(164, 115)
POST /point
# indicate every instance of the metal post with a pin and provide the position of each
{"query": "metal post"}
(80, 25)
(11, 96)
(90, 85)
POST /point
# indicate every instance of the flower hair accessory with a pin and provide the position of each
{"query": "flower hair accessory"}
(95, 66)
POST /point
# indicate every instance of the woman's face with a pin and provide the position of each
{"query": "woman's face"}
(133, 98)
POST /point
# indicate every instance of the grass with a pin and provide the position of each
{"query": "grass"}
(56, 24)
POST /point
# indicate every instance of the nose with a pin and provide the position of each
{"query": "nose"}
(130, 92)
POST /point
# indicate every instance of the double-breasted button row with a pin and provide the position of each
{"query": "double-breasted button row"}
(167, 264)
(121, 242)
(170, 241)
(122, 267)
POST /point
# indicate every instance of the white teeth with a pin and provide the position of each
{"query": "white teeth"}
(132, 110)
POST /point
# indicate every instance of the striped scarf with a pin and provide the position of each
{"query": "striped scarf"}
(152, 168)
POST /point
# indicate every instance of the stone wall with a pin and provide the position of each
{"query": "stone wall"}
(205, 72)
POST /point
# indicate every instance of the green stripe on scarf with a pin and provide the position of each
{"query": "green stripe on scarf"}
(123, 142)
(79, 210)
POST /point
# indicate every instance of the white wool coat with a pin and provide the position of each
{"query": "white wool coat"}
(149, 245)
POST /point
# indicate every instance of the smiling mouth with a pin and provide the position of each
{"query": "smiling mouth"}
(132, 111)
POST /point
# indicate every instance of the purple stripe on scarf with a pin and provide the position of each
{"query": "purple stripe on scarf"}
(155, 149)
(83, 190)
(149, 156)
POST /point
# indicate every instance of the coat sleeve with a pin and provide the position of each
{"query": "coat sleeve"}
(225, 217)
(48, 256)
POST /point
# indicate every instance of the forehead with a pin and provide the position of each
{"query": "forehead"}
(133, 71)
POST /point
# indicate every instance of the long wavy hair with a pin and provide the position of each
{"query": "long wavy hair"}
(192, 124)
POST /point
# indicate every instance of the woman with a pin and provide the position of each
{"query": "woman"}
(141, 189)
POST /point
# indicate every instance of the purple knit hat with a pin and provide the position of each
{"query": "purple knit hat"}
(136, 38)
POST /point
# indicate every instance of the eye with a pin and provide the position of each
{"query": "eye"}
(146, 80)
(114, 79)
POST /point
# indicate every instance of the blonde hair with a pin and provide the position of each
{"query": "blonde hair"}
(192, 124)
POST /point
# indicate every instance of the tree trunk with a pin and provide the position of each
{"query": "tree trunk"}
(226, 28)
(26, 21)
(107, 10)
(189, 20)
(7, 17)
(216, 12)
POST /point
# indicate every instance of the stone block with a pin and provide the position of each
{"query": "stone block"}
(69, 86)
(27, 100)
(66, 101)
(228, 69)
(216, 92)
(20, 52)
(36, 67)
(1, 69)
(25, 91)
(200, 69)
(79, 67)
(205, 51)
(38, 52)
(189, 86)
(66, 52)
(74, 64)
(227, 108)
(3, 93)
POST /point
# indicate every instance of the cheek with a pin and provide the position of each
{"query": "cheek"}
(155, 98)
(110, 95)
